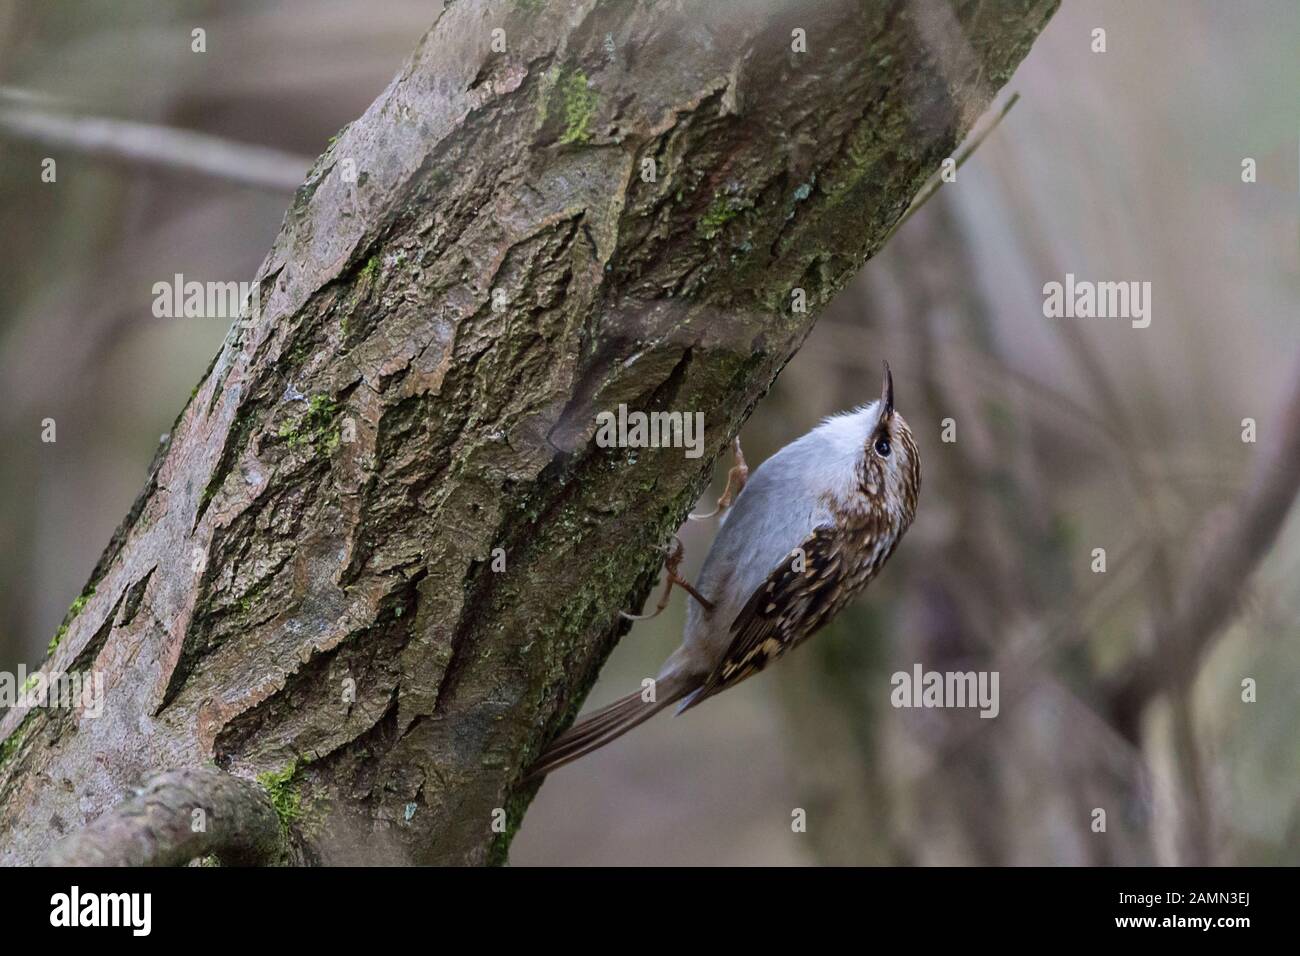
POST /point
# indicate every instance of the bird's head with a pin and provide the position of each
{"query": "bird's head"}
(891, 465)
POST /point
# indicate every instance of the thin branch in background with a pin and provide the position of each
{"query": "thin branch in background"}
(1064, 630)
(993, 373)
(937, 180)
(25, 97)
(1194, 812)
(1232, 547)
(148, 144)
(1104, 392)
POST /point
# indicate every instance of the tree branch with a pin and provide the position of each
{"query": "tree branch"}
(1230, 546)
(180, 816)
(149, 144)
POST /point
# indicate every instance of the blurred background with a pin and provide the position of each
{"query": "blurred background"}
(1071, 434)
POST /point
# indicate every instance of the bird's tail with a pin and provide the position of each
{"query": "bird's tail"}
(600, 727)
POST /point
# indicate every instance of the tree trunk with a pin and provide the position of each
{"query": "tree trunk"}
(616, 209)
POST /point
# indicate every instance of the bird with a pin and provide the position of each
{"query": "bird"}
(798, 540)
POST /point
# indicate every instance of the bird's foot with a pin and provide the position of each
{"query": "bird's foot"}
(671, 577)
(736, 479)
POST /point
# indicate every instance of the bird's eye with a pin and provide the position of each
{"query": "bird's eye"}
(882, 447)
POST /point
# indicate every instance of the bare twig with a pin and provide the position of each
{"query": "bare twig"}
(159, 146)
(967, 151)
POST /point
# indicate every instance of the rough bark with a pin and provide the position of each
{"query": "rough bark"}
(305, 587)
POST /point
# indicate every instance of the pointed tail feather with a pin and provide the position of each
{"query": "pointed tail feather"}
(600, 727)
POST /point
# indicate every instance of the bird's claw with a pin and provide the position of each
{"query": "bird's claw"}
(675, 554)
(736, 478)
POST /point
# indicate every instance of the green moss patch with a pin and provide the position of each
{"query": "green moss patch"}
(318, 427)
(578, 103)
(279, 788)
(721, 211)
(77, 607)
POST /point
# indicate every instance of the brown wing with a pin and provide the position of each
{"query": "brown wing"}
(782, 611)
